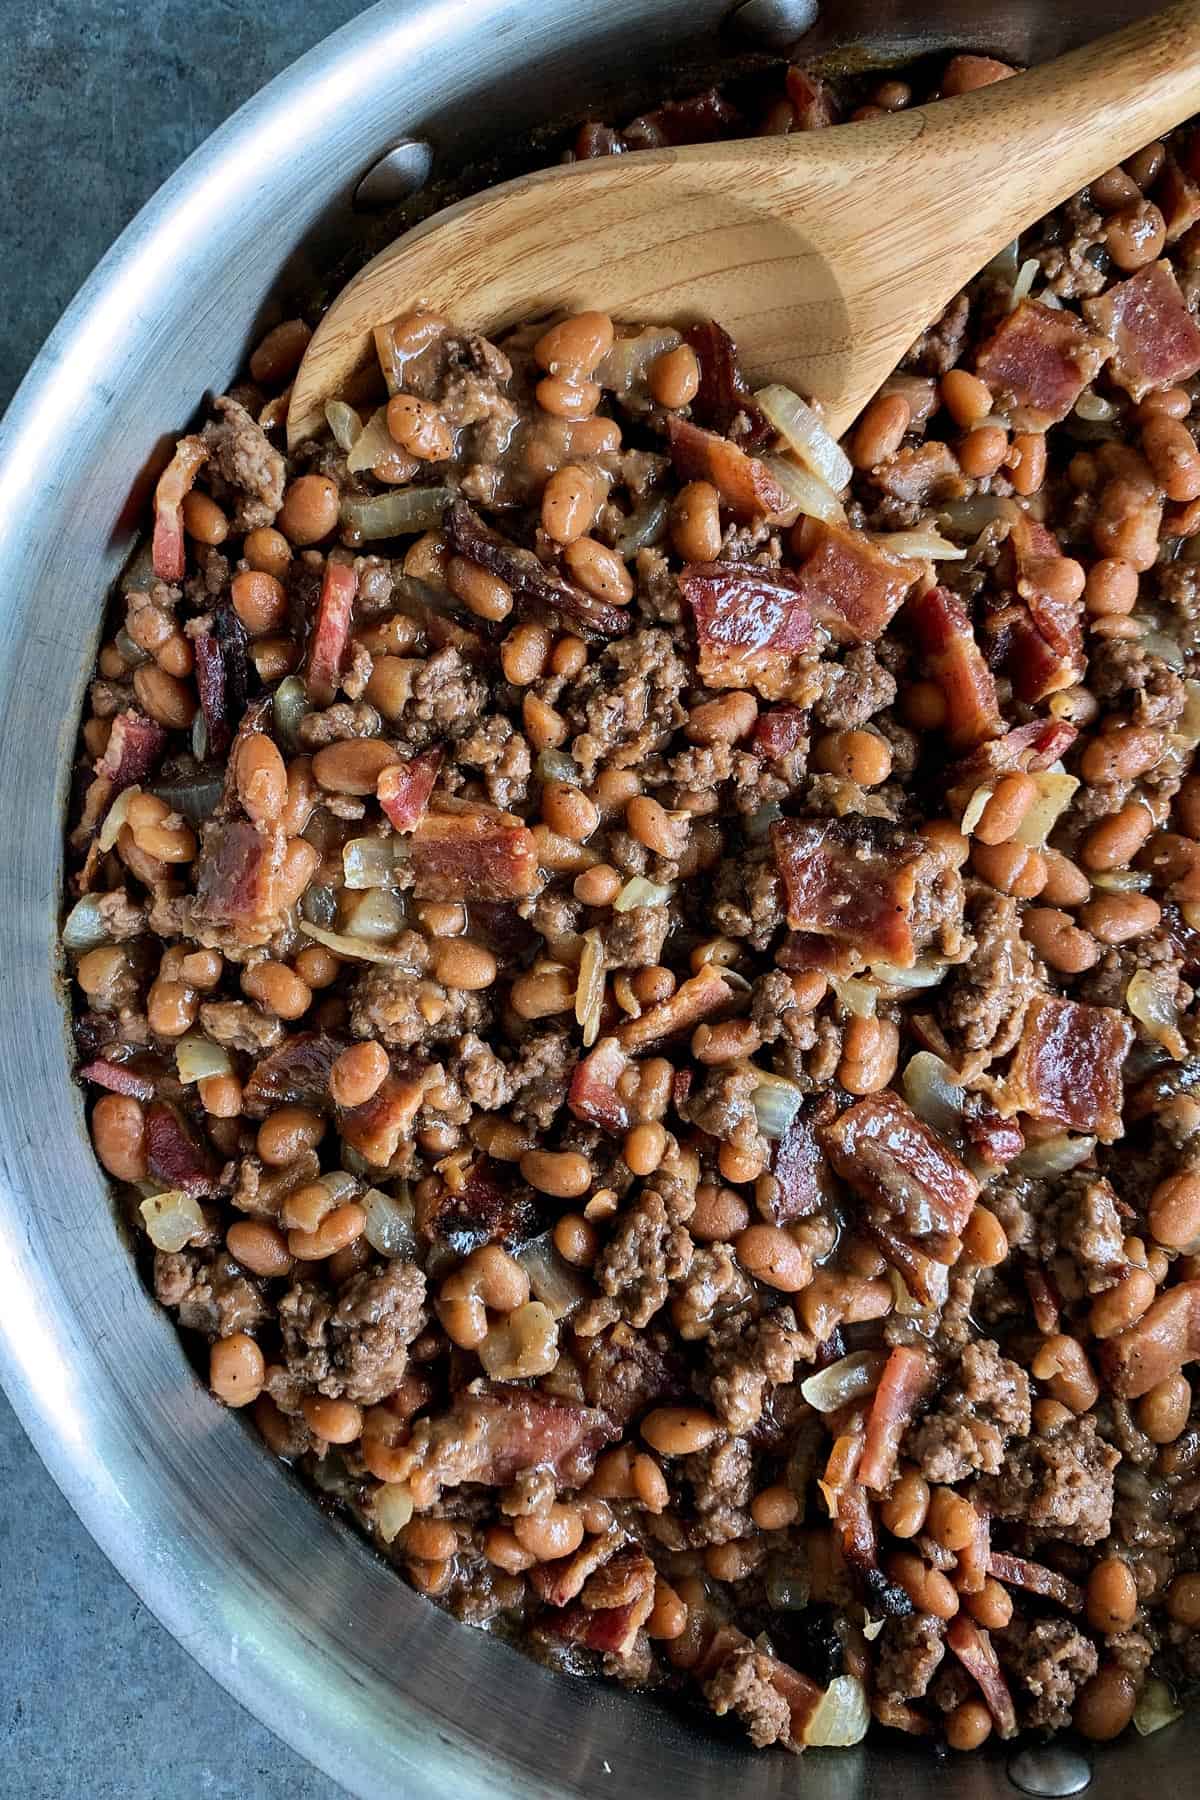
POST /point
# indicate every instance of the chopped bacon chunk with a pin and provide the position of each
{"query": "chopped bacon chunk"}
(922, 1274)
(118, 1078)
(173, 1153)
(1177, 197)
(698, 119)
(489, 1208)
(780, 731)
(1157, 340)
(975, 1558)
(403, 789)
(237, 879)
(330, 632)
(1165, 1338)
(378, 1127)
(1043, 1300)
(995, 1140)
(297, 1074)
(750, 624)
(611, 1629)
(908, 1376)
(595, 1092)
(853, 588)
(924, 474)
(477, 855)
(860, 881)
(176, 481)
(565, 1578)
(534, 585)
(703, 993)
(490, 1437)
(746, 485)
(1038, 361)
(723, 401)
(954, 660)
(812, 100)
(899, 1166)
(134, 750)
(1035, 1578)
(1042, 645)
(1067, 1066)
(973, 1648)
(800, 1188)
(210, 685)
(1029, 747)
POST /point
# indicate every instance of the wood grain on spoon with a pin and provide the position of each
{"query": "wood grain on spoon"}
(825, 253)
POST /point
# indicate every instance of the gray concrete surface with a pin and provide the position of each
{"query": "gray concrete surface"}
(99, 101)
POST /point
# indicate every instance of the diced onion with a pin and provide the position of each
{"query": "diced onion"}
(906, 1304)
(973, 515)
(172, 1219)
(858, 997)
(925, 974)
(1187, 726)
(115, 817)
(848, 1379)
(197, 1058)
(974, 809)
(1155, 1708)
(806, 493)
(589, 990)
(1159, 644)
(932, 1090)
(344, 423)
(1054, 1155)
(373, 443)
(787, 1589)
(1122, 881)
(1055, 791)
(390, 1227)
(288, 708)
(392, 1508)
(805, 435)
(640, 891)
(318, 904)
(758, 824)
(842, 1716)
(402, 513)
(872, 1628)
(552, 1281)
(776, 1103)
(626, 363)
(556, 765)
(356, 949)
(368, 862)
(1094, 407)
(1152, 1007)
(84, 928)
(1025, 279)
(1004, 263)
(922, 543)
(645, 526)
(377, 916)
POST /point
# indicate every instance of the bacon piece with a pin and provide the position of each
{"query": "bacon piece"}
(703, 993)
(996, 1141)
(746, 486)
(403, 789)
(923, 474)
(534, 586)
(922, 1274)
(490, 1208)
(853, 588)
(134, 750)
(330, 632)
(798, 1171)
(750, 624)
(237, 879)
(975, 1558)
(210, 685)
(973, 1648)
(1035, 1578)
(812, 101)
(377, 1128)
(699, 119)
(954, 660)
(860, 881)
(899, 1166)
(1067, 1066)
(723, 401)
(681, 1086)
(1165, 1338)
(1177, 197)
(1029, 747)
(176, 481)
(565, 1578)
(1043, 645)
(477, 855)
(173, 1153)
(1038, 361)
(803, 950)
(490, 1437)
(908, 1376)
(297, 1074)
(1157, 340)
(612, 1630)
(780, 731)
(595, 1095)
(1043, 1300)
(118, 1078)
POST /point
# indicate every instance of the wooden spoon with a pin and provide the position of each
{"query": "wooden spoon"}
(825, 253)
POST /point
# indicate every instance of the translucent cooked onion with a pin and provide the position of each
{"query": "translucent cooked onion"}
(841, 1718)
(368, 862)
(197, 1058)
(402, 513)
(1155, 1708)
(975, 514)
(974, 809)
(115, 817)
(172, 1219)
(872, 1628)
(355, 949)
(847, 1379)
(318, 904)
(787, 1589)
(805, 435)
(640, 891)
(1159, 643)
(1187, 726)
(932, 1090)
(645, 526)
(625, 365)
(1094, 407)
(344, 423)
(558, 1286)
(288, 708)
(758, 824)
(1005, 263)
(84, 928)
(390, 1227)
(1122, 881)
(924, 974)
(806, 493)
(1055, 791)
(776, 1103)
(858, 997)
(392, 1508)
(372, 444)
(1026, 275)
(1054, 1155)
(589, 989)
(556, 765)
(923, 543)
(376, 915)
(908, 1306)
(1154, 1008)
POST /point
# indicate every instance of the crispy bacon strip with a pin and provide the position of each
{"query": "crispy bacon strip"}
(297, 1074)
(1043, 645)
(1165, 1338)
(134, 750)
(534, 585)
(595, 1095)
(973, 1648)
(167, 551)
(923, 474)
(490, 1208)
(377, 1128)
(746, 486)
(907, 1377)
(490, 1437)
(237, 878)
(118, 1078)
(1035, 1578)
(1038, 361)
(695, 999)
(853, 588)
(899, 1166)
(1177, 197)
(210, 685)
(801, 1187)
(611, 1629)
(780, 731)
(330, 632)
(403, 789)
(1030, 747)
(855, 880)
(955, 661)
(173, 1153)
(1147, 318)
(922, 1274)
(750, 623)
(478, 855)
(1067, 1066)
(723, 401)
